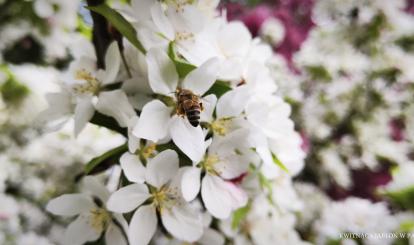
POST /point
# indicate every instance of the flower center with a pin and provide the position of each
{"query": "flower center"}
(208, 164)
(91, 85)
(164, 198)
(184, 36)
(99, 219)
(221, 126)
(148, 151)
(180, 4)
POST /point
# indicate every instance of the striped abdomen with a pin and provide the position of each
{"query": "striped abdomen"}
(192, 111)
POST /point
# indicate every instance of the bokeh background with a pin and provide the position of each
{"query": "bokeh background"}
(346, 67)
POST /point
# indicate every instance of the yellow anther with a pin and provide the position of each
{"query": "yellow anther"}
(221, 126)
(99, 219)
(89, 83)
(164, 198)
(209, 162)
(148, 151)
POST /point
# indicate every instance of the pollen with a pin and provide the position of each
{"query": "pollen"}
(99, 219)
(221, 126)
(165, 198)
(208, 164)
(184, 36)
(90, 85)
(148, 151)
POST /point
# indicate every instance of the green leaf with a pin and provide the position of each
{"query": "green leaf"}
(182, 66)
(406, 43)
(404, 198)
(239, 215)
(279, 163)
(219, 88)
(105, 160)
(265, 184)
(107, 122)
(120, 23)
(12, 91)
(318, 73)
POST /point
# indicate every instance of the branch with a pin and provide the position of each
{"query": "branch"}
(101, 37)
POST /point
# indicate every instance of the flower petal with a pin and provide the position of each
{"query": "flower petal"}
(221, 197)
(209, 103)
(234, 39)
(153, 122)
(211, 236)
(183, 223)
(70, 204)
(128, 198)
(189, 139)
(190, 183)
(83, 113)
(115, 104)
(232, 103)
(161, 22)
(132, 167)
(140, 8)
(143, 225)
(133, 141)
(162, 168)
(114, 236)
(112, 63)
(202, 78)
(162, 75)
(93, 187)
(80, 232)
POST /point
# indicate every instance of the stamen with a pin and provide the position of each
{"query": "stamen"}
(99, 219)
(221, 126)
(90, 84)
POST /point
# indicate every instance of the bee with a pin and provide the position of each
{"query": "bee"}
(189, 104)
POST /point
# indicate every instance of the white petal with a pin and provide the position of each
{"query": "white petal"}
(231, 69)
(183, 223)
(140, 8)
(161, 22)
(202, 78)
(143, 226)
(209, 103)
(153, 122)
(187, 19)
(232, 166)
(234, 39)
(115, 104)
(112, 63)
(190, 183)
(128, 198)
(70, 204)
(162, 75)
(189, 139)
(211, 236)
(232, 103)
(114, 236)
(162, 168)
(83, 113)
(80, 232)
(133, 141)
(93, 187)
(221, 197)
(132, 167)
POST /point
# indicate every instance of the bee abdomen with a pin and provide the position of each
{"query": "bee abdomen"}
(193, 116)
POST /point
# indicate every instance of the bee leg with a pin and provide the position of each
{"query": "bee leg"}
(201, 106)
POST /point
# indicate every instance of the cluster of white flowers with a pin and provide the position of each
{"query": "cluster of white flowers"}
(175, 125)
(41, 27)
(207, 134)
(357, 85)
